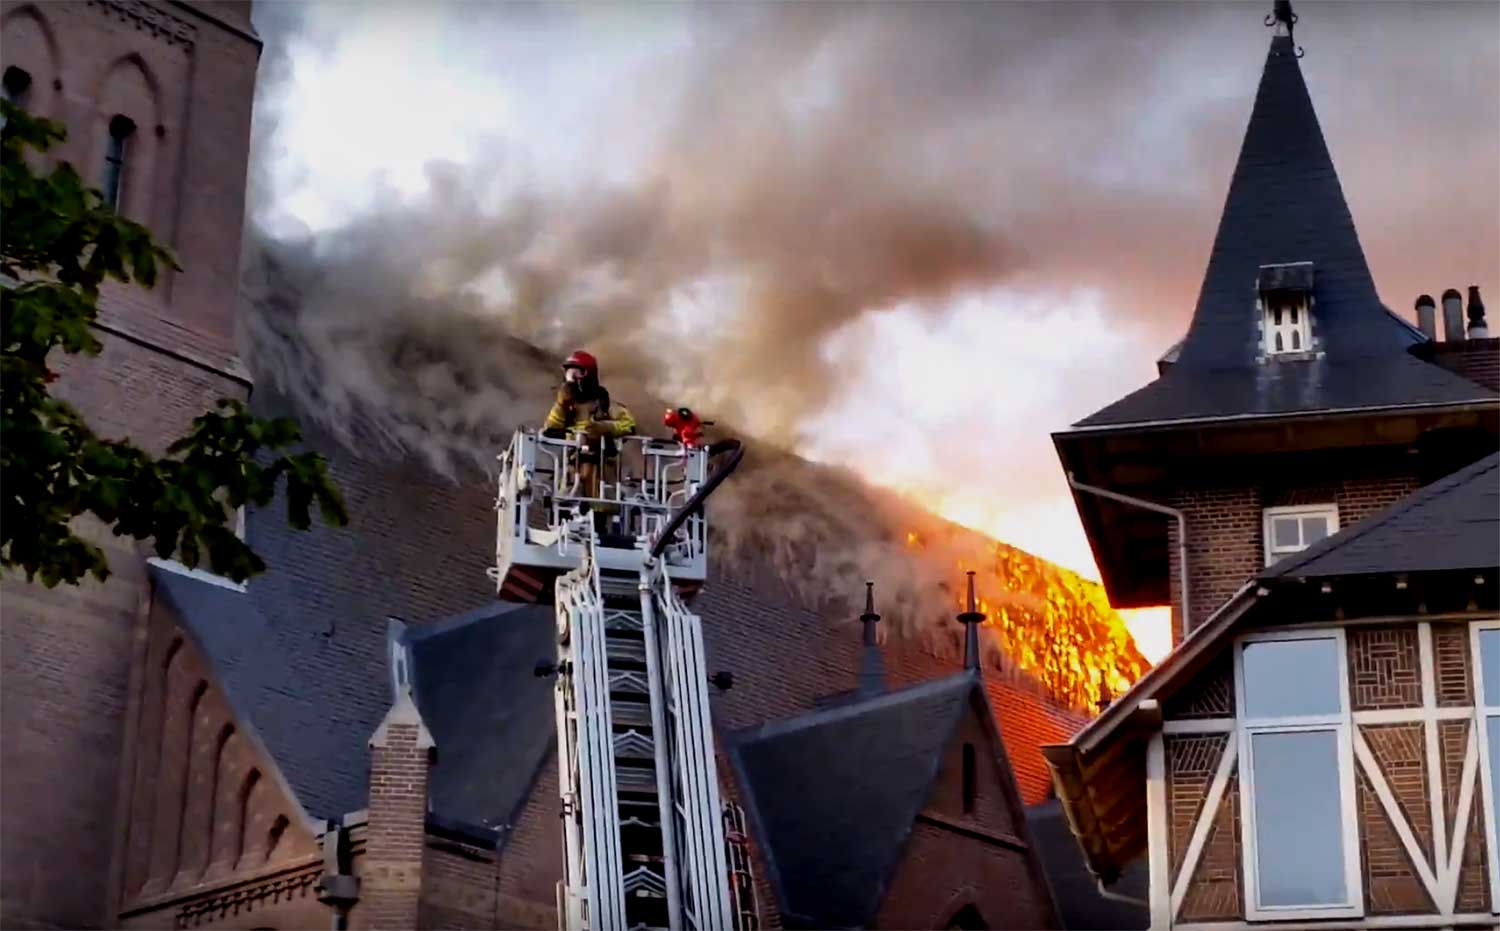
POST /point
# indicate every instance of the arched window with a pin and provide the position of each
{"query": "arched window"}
(16, 83)
(121, 128)
(966, 919)
(273, 837)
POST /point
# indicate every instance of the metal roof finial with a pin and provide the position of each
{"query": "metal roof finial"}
(1281, 15)
(871, 664)
(971, 619)
(869, 618)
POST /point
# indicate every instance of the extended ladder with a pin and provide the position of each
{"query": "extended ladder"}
(643, 823)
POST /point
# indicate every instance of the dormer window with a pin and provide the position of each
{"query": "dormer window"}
(1286, 308)
(1286, 323)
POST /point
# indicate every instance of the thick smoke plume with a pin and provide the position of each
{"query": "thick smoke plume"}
(778, 174)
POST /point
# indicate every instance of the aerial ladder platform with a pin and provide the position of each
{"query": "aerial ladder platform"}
(617, 547)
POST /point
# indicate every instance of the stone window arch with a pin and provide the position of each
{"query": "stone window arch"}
(127, 137)
(30, 52)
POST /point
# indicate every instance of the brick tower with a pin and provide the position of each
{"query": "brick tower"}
(156, 99)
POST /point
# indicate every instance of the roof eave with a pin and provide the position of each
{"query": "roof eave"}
(1081, 430)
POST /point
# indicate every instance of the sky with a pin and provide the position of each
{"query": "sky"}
(909, 240)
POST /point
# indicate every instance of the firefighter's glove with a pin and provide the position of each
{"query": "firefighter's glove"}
(599, 428)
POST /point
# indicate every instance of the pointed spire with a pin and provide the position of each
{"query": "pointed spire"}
(971, 619)
(1285, 205)
(871, 662)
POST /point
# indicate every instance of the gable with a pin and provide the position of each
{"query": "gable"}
(969, 857)
(833, 796)
(206, 802)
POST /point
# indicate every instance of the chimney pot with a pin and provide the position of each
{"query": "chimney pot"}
(1478, 329)
(1453, 316)
(1427, 316)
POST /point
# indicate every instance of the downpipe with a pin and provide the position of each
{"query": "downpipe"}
(1182, 562)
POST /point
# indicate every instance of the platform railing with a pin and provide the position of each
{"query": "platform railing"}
(636, 485)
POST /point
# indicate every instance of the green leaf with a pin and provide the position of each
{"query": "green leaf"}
(61, 242)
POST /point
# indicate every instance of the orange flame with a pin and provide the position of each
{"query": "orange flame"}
(1053, 625)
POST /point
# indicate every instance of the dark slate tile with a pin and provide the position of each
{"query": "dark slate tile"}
(833, 795)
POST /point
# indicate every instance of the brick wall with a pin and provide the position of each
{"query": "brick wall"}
(186, 80)
(1475, 359)
(1224, 511)
(1217, 890)
(980, 857)
(531, 862)
(943, 871)
(1192, 761)
(203, 803)
(1384, 671)
(65, 658)
(395, 838)
(1392, 886)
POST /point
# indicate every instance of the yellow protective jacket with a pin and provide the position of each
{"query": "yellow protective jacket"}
(574, 414)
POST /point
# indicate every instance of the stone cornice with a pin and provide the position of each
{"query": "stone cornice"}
(249, 897)
(235, 894)
(161, 24)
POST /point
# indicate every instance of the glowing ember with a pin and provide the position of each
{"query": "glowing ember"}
(1053, 625)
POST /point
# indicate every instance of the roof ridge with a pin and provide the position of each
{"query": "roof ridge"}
(832, 715)
(1383, 516)
(452, 622)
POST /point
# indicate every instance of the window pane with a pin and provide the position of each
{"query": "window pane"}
(1489, 659)
(1298, 819)
(1291, 677)
(1492, 732)
(1314, 529)
(1284, 532)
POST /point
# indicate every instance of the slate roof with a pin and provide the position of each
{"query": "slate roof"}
(866, 769)
(1285, 205)
(302, 652)
(1074, 888)
(1454, 523)
(490, 716)
(262, 688)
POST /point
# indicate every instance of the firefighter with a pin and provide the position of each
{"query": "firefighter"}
(582, 406)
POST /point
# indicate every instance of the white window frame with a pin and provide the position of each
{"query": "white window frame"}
(1342, 724)
(1302, 328)
(1482, 713)
(1328, 510)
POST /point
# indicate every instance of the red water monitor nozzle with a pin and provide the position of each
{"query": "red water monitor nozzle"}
(686, 426)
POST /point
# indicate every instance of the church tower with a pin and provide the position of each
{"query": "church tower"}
(156, 100)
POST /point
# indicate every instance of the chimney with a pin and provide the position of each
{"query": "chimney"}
(871, 663)
(1453, 316)
(971, 619)
(391, 871)
(1478, 329)
(1427, 316)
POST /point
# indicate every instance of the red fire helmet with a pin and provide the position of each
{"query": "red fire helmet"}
(582, 360)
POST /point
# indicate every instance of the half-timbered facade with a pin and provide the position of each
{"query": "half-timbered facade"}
(1325, 750)
(1312, 483)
